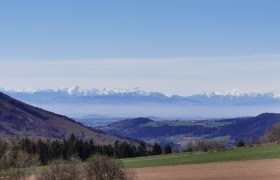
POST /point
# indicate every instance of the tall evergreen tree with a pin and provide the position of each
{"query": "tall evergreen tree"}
(156, 149)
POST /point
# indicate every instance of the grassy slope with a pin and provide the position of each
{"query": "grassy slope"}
(252, 153)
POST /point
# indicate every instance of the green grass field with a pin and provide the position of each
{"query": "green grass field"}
(248, 153)
(239, 154)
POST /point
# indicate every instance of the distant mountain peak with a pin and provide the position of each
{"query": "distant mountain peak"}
(78, 91)
(234, 92)
(238, 93)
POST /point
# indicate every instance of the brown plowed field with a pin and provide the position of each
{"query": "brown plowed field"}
(244, 170)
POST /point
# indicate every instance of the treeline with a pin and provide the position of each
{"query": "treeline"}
(203, 145)
(271, 135)
(49, 150)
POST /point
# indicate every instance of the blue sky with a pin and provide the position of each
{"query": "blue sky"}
(121, 32)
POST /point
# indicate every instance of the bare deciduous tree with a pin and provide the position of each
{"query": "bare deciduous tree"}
(203, 145)
(272, 135)
(16, 163)
(100, 167)
(63, 170)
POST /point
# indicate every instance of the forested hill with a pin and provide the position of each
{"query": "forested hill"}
(227, 130)
(20, 119)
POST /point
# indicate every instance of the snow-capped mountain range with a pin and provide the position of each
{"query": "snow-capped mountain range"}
(118, 103)
(77, 91)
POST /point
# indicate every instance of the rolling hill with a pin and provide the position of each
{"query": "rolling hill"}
(179, 132)
(20, 119)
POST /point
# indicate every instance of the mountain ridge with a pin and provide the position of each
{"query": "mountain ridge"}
(229, 130)
(77, 91)
(18, 118)
(138, 103)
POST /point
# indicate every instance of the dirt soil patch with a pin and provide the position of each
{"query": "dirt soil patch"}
(247, 170)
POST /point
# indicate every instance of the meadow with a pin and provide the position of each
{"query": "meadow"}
(238, 154)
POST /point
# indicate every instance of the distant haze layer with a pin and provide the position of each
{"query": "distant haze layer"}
(182, 76)
(121, 103)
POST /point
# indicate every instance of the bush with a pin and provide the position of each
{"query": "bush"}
(63, 170)
(97, 167)
(240, 143)
(100, 167)
(16, 163)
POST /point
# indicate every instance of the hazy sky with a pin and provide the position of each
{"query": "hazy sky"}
(172, 46)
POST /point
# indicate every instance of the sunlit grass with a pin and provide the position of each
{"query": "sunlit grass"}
(239, 154)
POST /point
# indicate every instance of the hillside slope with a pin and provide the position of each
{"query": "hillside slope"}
(18, 119)
(169, 132)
